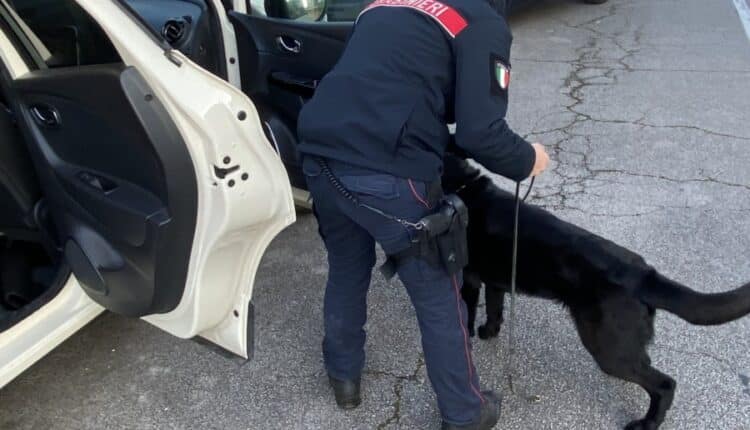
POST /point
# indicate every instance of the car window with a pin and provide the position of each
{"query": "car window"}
(345, 10)
(258, 5)
(336, 10)
(63, 34)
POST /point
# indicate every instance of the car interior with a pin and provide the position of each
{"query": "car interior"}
(281, 60)
(281, 64)
(30, 272)
(52, 155)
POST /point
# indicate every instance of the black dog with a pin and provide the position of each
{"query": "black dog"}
(611, 292)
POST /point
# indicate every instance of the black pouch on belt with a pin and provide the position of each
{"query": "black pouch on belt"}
(447, 227)
(441, 241)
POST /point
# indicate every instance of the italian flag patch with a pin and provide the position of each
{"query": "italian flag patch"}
(502, 74)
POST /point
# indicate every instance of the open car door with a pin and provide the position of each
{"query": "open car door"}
(162, 187)
(281, 63)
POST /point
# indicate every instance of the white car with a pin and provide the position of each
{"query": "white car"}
(142, 162)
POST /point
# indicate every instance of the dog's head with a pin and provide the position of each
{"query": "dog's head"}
(457, 172)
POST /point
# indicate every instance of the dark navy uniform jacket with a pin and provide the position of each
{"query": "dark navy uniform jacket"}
(403, 76)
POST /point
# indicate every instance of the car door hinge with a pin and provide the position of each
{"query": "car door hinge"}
(170, 54)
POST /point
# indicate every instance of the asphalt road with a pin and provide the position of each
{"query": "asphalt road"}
(645, 105)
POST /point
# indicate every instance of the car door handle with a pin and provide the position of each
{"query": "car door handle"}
(300, 85)
(46, 116)
(99, 182)
(289, 45)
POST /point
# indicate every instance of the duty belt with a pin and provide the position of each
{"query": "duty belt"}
(440, 237)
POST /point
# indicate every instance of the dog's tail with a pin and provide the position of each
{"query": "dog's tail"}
(694, 307)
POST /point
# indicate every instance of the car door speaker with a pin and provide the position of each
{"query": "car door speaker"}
(91, 258)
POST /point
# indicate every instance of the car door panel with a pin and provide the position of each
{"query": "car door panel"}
(119, 180)
(281, 63)
(262, 42)
(244, 195)
(163, 188)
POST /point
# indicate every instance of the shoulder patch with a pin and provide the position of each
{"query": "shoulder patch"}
(449, 19)
(500, 74)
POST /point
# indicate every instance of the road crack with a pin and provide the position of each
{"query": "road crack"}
(707, 179)
(590, 68)
(633, 69)
(398, 388)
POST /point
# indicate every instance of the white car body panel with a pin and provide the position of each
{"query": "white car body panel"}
(235, 224)
(32, 338)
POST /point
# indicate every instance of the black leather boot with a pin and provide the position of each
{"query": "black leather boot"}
(488, 417)
(346, 392)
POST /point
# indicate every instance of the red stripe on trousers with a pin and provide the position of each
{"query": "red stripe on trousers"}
(419, 198)
(466, 339)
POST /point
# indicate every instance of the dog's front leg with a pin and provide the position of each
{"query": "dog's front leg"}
(470, 295)
(495, 302)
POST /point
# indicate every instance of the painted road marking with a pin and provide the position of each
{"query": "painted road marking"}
(743, 10)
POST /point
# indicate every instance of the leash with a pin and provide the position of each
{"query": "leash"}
(341, 189)
(511, 344)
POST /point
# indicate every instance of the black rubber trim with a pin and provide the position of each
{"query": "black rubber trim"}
(182, 189)
(220, 52)
(250, 331)
(19, 40)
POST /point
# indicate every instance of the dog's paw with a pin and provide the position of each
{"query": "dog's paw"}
(642, 425)
(488, 330)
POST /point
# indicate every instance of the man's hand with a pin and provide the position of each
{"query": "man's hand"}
(542, 159)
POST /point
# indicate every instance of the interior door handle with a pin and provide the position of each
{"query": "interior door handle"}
(46, 116)
(289, 44)
(298, 84)
(99, 182)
